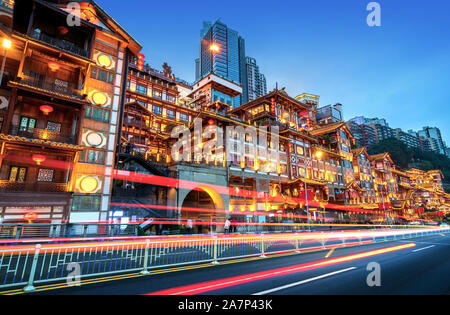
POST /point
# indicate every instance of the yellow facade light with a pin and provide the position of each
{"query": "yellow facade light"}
(99, 98)
(89, 184)
(104, 60)
(94, 139)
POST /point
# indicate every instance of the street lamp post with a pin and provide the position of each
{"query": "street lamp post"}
(384, 206)
(6, 46)
(306, 197)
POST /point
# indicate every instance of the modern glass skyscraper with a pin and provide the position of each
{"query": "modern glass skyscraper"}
(256, 85)
(228, 61)
(433, 133)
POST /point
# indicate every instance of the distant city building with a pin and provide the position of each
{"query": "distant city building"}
(228, 61)
(256, 85)
(262, 84)
(379, 121)
(308, 98)
(360, 120)
(436, 142)
(329, 114)
(407, 138)
(364, 135)
(383, 132)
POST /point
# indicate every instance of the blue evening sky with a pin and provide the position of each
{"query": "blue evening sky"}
(399, 71)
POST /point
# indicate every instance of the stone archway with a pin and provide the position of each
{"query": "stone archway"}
(202, 197)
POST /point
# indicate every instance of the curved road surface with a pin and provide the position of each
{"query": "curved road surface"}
(416, 266)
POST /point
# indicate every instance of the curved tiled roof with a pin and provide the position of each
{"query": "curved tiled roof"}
(52, 144)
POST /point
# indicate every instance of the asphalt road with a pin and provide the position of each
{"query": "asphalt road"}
(420, 269)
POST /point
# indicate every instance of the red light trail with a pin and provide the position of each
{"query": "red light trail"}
(233, 281)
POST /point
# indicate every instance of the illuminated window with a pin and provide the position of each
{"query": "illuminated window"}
(170, 98)
(141, 89)
(45, 175)
(17, 174)
(97, 114)
(92, 156)
(183, 117)
(86, 203)
(27, 124)
(52, 126)
(157, 110)
(102, 75)
(300, 150)
(157, 94)
(170, 113)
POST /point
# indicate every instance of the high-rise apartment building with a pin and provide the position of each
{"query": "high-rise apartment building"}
(263, 84)
(330, 114)
(256, 85)
(380, 121)
(436, 142)
(227, 60)
(364, 135)
(407, 138)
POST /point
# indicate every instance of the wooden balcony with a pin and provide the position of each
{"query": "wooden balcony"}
(61, 44)
(7, 186)
(42, 134)
(55, 87)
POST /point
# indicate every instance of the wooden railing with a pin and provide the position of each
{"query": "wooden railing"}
(43, 134)
(9, 186)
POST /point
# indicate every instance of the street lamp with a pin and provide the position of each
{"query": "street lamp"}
(6, 44)
(214, 48)
(307, 163)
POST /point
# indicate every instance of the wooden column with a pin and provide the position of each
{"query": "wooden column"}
(11, 107)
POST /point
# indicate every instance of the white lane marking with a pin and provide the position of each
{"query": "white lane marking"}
(303, 281)
(416, 250)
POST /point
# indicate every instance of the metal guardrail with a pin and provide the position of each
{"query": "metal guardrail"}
(60, 43)
(66, 230)
(54, 86)
(33, 264)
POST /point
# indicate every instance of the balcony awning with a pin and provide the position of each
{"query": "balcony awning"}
(30, 88)
(354, 185)
(308, 181)
(40, 142)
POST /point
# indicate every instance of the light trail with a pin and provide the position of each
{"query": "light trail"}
(362, 237)
(237, 280)
(190, 185)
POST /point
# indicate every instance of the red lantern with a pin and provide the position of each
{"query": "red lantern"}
(140, 61)
(30, 216)
(46, 109)
(211, 122)
(38, 158)
(62, 30)
(272, 105)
